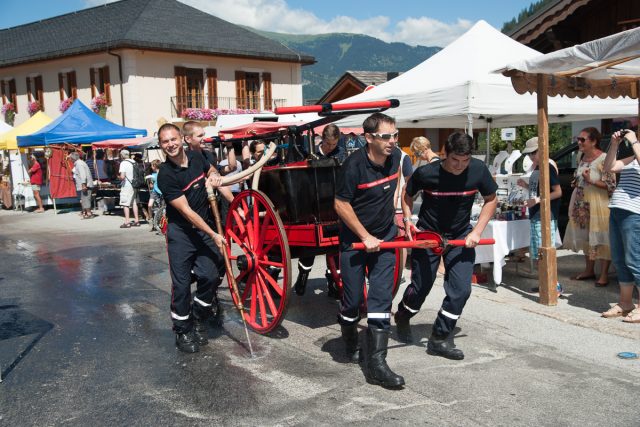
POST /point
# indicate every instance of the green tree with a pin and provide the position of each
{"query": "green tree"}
(559, 136)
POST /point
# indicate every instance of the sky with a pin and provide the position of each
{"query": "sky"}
(424, 22)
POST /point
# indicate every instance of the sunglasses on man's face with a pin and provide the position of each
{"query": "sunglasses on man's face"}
(581, 139)
(386, 136)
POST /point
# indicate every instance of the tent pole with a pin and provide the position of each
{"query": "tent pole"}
(488, 159)
(547, 263)
(470, 125)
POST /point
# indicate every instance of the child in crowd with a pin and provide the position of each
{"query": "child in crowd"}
(155, 195)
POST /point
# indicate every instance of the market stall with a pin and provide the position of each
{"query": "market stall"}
(21, 188)
(604, 68)
(77, 125)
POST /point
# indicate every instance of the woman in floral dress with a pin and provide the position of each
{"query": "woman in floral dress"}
(588, 228)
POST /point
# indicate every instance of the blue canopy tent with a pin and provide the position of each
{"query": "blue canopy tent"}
(78, 125)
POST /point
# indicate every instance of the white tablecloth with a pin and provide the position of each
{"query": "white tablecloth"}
(509, 235)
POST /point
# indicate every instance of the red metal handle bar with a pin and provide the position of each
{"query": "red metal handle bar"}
(325, 108)
(424, 244)
(461, 242)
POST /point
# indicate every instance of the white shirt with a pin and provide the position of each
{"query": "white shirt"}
(126, 168)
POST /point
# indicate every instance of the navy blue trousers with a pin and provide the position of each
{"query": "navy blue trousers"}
(380, 266)
(458, 263)
(192, 251)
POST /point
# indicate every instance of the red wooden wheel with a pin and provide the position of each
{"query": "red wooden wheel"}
(333, 261)
(261, 263)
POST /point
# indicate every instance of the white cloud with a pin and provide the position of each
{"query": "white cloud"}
(277, 16)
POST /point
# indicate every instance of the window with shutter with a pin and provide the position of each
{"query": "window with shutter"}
(241, 90)
(266, 91)
(35, 90)
(106, 83)
(73, 85)
(39, 92)
(68, 85)
(100, 82)
(212, 88)
(181, 89)
(9, 93)
(29, 92)
(61, 86)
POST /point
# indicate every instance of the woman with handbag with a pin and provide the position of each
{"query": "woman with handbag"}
(588, 228)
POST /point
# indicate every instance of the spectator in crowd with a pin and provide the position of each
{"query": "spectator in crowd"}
(137, 157)
(128, 194)
(36, 180)
(588, 228)
(624, 225)
(421, 148)
(533, 202)
(84, 183)
(154, 192)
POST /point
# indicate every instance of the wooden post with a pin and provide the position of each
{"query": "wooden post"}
(547, 265)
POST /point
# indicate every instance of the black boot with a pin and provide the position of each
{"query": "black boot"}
(187, 342)
(332, 288)
(440, 346)
(403, 328)
(200, 332)
(352, 346)
(378, 372)
(301, 284)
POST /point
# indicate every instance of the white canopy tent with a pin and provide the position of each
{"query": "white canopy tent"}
(607, 67)
(458, 87)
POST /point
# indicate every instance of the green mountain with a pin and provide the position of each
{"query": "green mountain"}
(338, 52)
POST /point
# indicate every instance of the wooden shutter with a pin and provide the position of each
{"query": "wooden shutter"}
(71, 75)
(212, 87)
(61, 86)
(92, 79)
(181, 89)
(13, 95)
(266, 91)
(40, 92)
(4, 95)
(29, 92)
(106, 83)
(241, 90)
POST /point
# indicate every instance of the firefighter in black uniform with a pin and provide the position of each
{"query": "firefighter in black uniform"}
(328, 148)
(364, 202)
(193, 247)
(449, 189)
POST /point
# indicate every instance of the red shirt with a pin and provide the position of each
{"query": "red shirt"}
(36, 174)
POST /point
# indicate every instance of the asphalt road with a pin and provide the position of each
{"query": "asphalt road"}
(85, 339)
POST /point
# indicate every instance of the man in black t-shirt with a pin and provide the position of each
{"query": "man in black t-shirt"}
(192, 245)
(364, 202)
(328, 148)
(448, 189)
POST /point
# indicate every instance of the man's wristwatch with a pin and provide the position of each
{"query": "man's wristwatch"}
(406, 219)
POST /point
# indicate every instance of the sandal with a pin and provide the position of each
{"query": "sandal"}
(601, 284)
(579, 276)
(633, 316)
(125, 225)
(616, 311)
(135, 224)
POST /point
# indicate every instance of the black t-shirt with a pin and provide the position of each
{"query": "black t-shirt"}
(369, 189)
(447, 198)
(175, 181)
(338, 153)
(534, 191)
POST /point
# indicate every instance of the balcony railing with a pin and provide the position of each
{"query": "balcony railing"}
(180, 103)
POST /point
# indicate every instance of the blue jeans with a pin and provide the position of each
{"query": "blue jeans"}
(624, 238)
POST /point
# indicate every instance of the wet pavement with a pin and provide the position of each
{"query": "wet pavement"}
(85, 339)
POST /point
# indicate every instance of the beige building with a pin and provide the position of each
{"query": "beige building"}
(152, 59)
